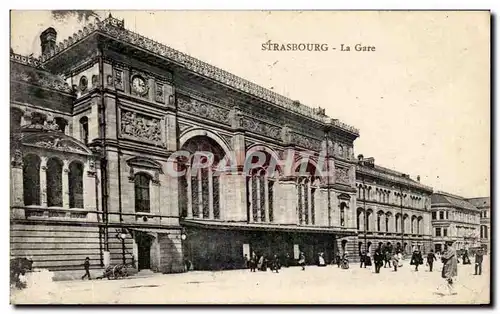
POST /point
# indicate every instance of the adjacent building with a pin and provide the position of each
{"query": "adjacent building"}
(455, 219)
(483, 204)
(391, 209)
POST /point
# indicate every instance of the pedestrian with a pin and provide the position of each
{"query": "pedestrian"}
(368, 259)
(387, 258)
(362, 259)
(465, 258)
(253, 262)
(302, 260)
(275, 264)
(321, 260)
(395, 261)
(449, 271)
(338, 259)
(430, 259)
(416, 259)
(478, 262)
(287, 260)
(86, 266)
(378, 259)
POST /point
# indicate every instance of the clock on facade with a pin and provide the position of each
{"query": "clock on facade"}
(139, 86)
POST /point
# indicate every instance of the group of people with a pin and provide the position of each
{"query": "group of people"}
(260, 262)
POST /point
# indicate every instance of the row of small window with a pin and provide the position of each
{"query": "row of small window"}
(442, 215)
(437, 232)
(484, 232)
(484, 214)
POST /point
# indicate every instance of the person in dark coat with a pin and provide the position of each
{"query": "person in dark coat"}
(362, 260)
(275, 264)
(431, 257)
(338, 259)
(86, 266)
(387, 257)
(416, 259)
(378, 259)
(253, 262)
(287, 260)
(478, 262)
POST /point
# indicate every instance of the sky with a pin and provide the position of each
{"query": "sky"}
(421, 100)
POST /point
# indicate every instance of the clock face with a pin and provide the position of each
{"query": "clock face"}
(139, 85)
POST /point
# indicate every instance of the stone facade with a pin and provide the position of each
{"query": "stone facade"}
(391, 209)
(484, 205)
(97, 126)
(455, 219)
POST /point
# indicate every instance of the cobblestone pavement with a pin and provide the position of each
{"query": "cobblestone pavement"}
(315, 285)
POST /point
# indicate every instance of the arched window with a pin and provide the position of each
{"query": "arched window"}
(31, 180)
(368, 219)
(387, 222)
(360, 218)
(305, 193)
(397, 222)
(61, 123)
(141, 185)
(379, 222)
(54, 182)
(84, 129)
(75, 185)
(199, 196)
(342, 214)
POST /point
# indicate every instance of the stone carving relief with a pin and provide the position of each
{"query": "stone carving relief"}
(306, 142)
(184, 126)
(160, 96)
(204, 110)
(17, 159)
(140, 126)
(119, 79)
(342, 175)
(56, 142)
(262, 128)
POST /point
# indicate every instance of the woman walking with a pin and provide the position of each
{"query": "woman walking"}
(449, 272)
(302, 260)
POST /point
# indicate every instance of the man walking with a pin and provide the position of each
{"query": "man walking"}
(430, 259)
(479, 262)
(362, 259)
(449, 272)
(86, 266)
(378, 258)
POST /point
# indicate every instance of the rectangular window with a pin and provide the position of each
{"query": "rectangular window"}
(447, 215)
(441, 215)
(438, 232)
(434, 215)
(270, 197)
(445, 232)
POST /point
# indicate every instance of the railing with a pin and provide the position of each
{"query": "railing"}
(115, 28)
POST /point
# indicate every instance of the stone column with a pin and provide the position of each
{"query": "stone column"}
(200, 195)
(210, 195)
(189, 194)
(250, 199)
(43, 181)
(266, 198)
(258, 198)
(65, 184)
(16, 185)
(309, 196)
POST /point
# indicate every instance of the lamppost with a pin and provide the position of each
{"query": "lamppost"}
(122, 235)
(364, 214)
(402, 217)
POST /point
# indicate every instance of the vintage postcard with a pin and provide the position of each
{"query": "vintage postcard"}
(250, 157)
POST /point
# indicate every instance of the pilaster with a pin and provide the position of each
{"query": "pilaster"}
(43, 181)
(65, 184)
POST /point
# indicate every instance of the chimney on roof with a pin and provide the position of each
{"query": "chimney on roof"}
(418, 178)
(360, 157)
(48, 40)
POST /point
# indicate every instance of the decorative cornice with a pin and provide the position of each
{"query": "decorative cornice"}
(115, 29)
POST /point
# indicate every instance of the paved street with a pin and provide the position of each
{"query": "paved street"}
(292, 285)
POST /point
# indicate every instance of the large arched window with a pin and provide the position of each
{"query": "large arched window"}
(369, 215)
(75, 185)
(380, 217)
(387, 221)
(360, 218)
(200, 189)
(31, 180)
(141, 185)
(54, 182)
(306, 188)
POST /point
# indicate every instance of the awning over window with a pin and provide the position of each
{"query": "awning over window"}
(223, 225)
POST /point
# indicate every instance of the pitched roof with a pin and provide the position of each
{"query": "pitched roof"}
(453, 200)
(480, 201)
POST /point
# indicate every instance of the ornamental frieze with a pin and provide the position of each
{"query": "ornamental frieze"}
(306, 142)
(342, 175)
(140, 127)
(261, 128)
(204, 110)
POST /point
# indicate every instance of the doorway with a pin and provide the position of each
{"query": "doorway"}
(143, 250)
